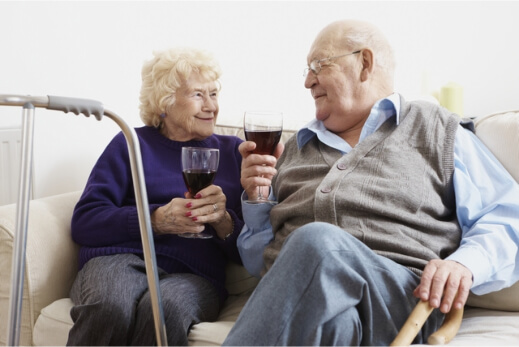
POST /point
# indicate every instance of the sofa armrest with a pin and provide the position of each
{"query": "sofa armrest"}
(50, 259)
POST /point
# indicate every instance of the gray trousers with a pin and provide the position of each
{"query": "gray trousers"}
(113, 304)
(328, 288)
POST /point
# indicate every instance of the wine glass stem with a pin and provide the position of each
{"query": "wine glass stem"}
(260, 196)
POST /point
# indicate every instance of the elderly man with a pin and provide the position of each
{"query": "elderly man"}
(382, 202)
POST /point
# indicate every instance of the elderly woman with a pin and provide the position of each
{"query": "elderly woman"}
(179, 106)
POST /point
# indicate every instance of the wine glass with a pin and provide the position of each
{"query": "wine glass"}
(199, 166)
(263, 128)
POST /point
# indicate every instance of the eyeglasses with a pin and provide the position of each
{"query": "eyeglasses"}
(315, 65)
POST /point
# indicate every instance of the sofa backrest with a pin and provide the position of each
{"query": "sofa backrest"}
(500, 133)
(238, 131)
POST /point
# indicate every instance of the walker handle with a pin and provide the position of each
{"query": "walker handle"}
(76, 106)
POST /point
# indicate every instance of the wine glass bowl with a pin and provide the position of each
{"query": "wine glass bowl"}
(199, 167)
(264, 129)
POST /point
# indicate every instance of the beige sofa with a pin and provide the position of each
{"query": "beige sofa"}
(51, 261)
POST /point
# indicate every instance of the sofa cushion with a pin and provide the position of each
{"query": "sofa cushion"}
(49, 247)
(506, 299)
(53, 324)
(7, 228)
(481, 327)
(238, 280)
(54, 321)
(214, 333)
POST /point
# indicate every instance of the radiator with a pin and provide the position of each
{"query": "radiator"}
(10, 156)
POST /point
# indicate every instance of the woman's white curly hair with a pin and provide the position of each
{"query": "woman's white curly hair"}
(163, 75)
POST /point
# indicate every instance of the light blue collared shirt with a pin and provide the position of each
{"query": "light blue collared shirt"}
(381, 111)
(486, 200)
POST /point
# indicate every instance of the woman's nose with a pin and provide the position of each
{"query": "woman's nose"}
(210, 105)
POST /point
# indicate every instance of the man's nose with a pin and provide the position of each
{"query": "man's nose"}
(310, 79)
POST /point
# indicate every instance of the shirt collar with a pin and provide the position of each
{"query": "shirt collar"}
(380, 112)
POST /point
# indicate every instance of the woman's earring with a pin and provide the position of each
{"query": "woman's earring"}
(162, 115)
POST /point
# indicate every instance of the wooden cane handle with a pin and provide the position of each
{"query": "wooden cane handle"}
(413, 324)
(416, 320)
(449, 328)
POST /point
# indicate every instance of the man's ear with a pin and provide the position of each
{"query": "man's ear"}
(367, 64)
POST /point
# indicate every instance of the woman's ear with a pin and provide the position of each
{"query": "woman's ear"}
(367, 64)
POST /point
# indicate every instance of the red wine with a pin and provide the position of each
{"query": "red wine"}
(196, 180)
(266, 141)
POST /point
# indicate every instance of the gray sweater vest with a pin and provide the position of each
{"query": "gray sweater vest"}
(393, 191)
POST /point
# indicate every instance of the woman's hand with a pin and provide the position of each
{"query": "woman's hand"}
(173, 218)
(207, 206)
(190, 214)
(257, 170)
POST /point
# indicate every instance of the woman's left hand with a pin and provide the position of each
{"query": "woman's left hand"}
(209, 206)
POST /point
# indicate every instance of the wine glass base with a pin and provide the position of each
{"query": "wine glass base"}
(261, 201)
(196, 235)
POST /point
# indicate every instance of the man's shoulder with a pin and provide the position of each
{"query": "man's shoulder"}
(414, 105)
(427, 109)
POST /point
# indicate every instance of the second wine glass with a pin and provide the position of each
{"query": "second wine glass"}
(199, 166)
(264, 128)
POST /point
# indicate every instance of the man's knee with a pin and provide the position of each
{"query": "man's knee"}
(317, 235)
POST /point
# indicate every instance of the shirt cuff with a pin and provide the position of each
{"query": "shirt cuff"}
(474, 260)
(255, 216)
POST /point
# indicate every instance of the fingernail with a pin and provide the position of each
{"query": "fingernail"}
(445, 308)
(198, 196)
(189, 204)
(188, 214)
(194, 219)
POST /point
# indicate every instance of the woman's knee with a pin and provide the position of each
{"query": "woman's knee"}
(94, 293)
(191, 294)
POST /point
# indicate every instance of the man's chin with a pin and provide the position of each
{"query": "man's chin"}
(321, 116)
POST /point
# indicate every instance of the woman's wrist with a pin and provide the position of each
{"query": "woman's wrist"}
(154, 221)
(224, 228)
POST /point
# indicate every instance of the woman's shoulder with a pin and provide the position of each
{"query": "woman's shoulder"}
(228, 138)
(225, 141)
(144, 131)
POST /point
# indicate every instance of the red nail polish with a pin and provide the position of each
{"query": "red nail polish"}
(194, 219)
(198, 196)
(188, 214)
(188, 205)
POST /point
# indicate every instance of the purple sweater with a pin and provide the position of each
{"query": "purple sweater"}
(105, 220)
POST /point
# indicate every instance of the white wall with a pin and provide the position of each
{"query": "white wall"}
(95, 50)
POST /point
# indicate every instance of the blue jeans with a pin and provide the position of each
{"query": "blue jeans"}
(113, 304)
(327, 288)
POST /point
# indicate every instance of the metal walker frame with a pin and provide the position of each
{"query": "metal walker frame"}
(86, 107)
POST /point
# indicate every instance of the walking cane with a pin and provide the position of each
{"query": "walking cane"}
(87, 108)
(416, 320)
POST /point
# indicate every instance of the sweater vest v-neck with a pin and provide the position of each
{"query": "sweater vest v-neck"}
(393, 191)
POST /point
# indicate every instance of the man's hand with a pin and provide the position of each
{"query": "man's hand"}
(445, 284)
(257, 170)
